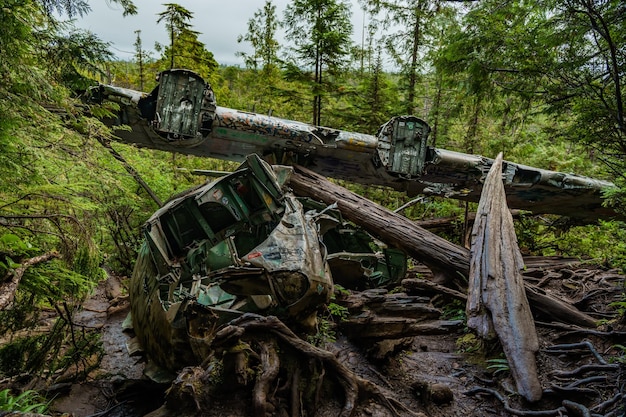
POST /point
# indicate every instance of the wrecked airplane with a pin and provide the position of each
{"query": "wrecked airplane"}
(243, 244)
(181, 115)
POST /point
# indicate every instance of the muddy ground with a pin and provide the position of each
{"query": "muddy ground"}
(447, 374)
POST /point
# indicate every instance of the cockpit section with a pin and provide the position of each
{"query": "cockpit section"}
(217, 246)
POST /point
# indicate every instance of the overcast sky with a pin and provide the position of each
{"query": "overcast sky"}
(220, 22)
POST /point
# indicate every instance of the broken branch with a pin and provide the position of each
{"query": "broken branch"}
(496, 300)
(9, 285)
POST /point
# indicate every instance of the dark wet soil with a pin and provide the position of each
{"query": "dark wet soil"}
(435, 375)
(118, 387)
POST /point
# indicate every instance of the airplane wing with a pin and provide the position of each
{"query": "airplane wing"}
(181, 115)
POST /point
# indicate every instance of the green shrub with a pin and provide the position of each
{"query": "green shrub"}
(26, 402)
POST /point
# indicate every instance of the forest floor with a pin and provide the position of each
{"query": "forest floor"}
(450, 373)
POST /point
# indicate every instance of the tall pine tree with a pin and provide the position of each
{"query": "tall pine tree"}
(320, 31)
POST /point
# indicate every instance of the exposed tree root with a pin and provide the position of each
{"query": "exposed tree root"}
(269, 335)
(271, 371)
(514, 411)
(270, 363)
(571, 347)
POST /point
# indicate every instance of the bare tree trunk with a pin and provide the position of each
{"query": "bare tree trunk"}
(410, 108)
(497, 300)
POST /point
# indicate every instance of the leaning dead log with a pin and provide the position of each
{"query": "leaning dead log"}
(441, 256)
(444, 258)
(497, 303)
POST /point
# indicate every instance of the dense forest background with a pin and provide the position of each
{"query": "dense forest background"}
(539, 81)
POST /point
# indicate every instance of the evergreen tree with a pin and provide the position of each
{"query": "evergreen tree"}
(320, 31)
(74, 8)
(567, 56)
(441, 99)
(376, 99)
(176, 19)
(262, 78)
(140, 56)
(48, 222)
(407, 26)
(262, 37)
(185, 50)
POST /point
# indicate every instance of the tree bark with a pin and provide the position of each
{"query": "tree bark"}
(497, 301)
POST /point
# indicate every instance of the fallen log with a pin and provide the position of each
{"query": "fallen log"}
(396, 304)
(376, 314)
(415, 285)
(446, 260)
(441, 256)
(374, 327)
(497, 303)
(557, 309)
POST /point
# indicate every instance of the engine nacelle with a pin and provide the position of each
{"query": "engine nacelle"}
(402, 145)
(181, 107)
